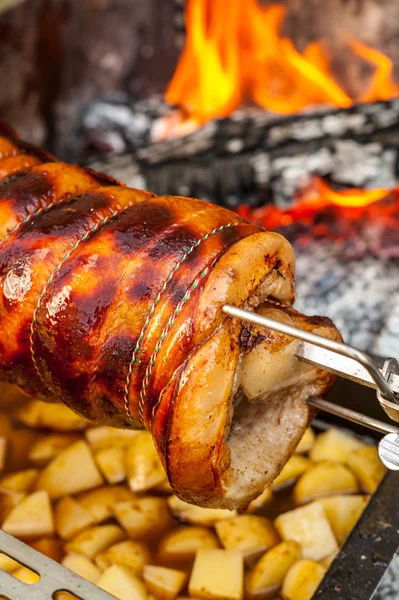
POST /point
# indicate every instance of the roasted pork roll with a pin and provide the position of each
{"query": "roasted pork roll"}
(111, 302)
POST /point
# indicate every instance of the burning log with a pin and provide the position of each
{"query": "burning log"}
(250, 157)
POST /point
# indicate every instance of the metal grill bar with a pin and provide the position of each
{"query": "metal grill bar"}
(53, 576)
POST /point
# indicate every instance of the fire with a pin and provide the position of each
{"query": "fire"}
(237, 53)
(352, 197)
(318, 196)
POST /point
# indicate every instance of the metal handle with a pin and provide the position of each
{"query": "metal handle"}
(53, 576)
(353, 415)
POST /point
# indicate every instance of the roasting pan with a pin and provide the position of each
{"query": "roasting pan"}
(365, 568)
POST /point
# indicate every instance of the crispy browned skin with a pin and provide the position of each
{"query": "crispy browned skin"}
(110, 301)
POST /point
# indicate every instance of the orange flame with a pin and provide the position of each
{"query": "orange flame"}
(352, 197)
(237, 52)
(313, 198)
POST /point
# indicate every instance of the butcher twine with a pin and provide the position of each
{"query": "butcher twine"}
(177, 311)
(54, 274)
(32, 216)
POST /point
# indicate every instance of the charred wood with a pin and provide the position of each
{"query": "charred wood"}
(251, 157)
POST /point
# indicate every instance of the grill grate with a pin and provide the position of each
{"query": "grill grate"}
(53, 576)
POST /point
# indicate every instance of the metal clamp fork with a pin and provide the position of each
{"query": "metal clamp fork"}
(350, 363)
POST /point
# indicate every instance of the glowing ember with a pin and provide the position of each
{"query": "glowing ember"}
(350, 204)
(238, 53)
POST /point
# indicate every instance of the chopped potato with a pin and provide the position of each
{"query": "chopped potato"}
(8, 564)
(343, 512)
(81, 565)
(163, 582)
(103, 437)
(71, 518)
(21, 481)
(31, 518)
(143, 465)
(302, 580)
(309, 526)
(324, 479)
(122, 583)
(295, 466)
(111, 462)
(334, 445)
(367, 467)
(48, 447)
(267, 576)
(26, 575)
(261, 500)
(127, 553)
(19, 444)
(164, 488)
(57, 416)
(180, 545)
(144, 517)
(9, 499)
(250, 534)
(188, 513)
(327, 561)
(133, 545)
(96, 539)
(73, 470)
(50, 547)
(217, 574)
(11, 396)
(307, 441)
(100, 503)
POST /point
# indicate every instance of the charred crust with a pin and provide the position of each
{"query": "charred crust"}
(90, 309)
(26, 188)
(10, 179)
(257, 339)
(245, 337)
(271, 259)
(102, 178)
(176, 291)
(69, 214)
(137, 227)
(42, 155)
(318, 321)
(174, 242)
(144, 289)
(249, 338)
(229, 235)
(276, 268)
(116, 351)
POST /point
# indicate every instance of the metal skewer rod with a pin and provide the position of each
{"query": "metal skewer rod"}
(352, 415)
(318, 340)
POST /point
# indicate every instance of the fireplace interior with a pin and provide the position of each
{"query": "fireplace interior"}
(286, 112)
